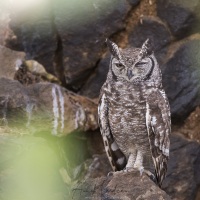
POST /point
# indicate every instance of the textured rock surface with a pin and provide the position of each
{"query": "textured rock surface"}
(181, 75)
(93, 85)
(152, 28)
(83, 38)
(182, 181)
(45, 107)
(120, 186)
(134, 2)
(191, 126)
(30, 71)
(9, 60)
(35, 33)
(183, 177)
(180, 15)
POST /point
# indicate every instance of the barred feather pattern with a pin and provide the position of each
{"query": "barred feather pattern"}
(134, 113)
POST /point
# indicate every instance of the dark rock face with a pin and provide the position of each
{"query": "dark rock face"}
(181, 75)
(180, 15)
(94, 83)
(152, 28)
(119, 186)
(83, 37)
(9, 61)
(37, 36)
(183, 177)
(134, 2)
(68, 38)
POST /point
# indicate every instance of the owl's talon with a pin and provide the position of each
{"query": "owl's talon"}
(141, 169)
(110, 173)
(150, 175)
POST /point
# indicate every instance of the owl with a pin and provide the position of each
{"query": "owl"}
(134, 113)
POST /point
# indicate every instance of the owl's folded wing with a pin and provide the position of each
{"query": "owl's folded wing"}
(115, 156)
(159, 127)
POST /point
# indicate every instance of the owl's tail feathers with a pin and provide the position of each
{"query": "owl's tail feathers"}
(160, 164)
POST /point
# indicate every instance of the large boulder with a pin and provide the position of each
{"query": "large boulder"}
(94, 83)
(35, 33)
(121, 185)
(183, 178)
(181, 75)
(180, 15)
(45, 107)
(153, 28)
(9, 62)
(191, 126)
(68, 37)
(83, 28)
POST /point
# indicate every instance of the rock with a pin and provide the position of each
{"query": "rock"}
(9, 60)
(35, 32)
(153, 28)
(30, 71)
(183, 177)
(45, 107)
(83, 34)
(180, 15)
(4, 25)
(134, 2)
(181, 77)
(119, 186)
(93, 85)
(99, 166)
(191, 126)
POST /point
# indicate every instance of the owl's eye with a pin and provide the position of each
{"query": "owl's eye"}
(120, 65)
(140, 64)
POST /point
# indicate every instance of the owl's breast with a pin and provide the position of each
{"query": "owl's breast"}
(127, 118)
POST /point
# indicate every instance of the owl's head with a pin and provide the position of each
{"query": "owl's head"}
(133, 64)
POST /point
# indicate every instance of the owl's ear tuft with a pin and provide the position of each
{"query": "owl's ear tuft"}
(114, 49)
(146, 49)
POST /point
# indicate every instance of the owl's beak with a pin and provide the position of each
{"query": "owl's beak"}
(129, 74)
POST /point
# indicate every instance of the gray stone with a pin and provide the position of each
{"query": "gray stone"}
(9, 62)
(36, 35)
(181, 75)
(45, 107)
(120, 186)
(152, 28)
(94, 83)
(180, 15)
(134, 2)
(83, 28)
(183, 177)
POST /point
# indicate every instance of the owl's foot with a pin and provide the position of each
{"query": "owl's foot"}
(150, 175)
(129, 169)
(112, 173)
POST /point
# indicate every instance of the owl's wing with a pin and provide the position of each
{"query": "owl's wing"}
(158, 122)
(116, 158)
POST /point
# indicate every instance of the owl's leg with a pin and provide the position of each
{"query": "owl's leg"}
(139, 162)
(139, 165)
(131, 161)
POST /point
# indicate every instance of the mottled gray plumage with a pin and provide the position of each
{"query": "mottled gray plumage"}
(134, 113)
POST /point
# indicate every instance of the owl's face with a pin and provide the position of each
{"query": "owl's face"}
(132, 65)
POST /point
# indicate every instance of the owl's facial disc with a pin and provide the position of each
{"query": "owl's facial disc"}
(133, 71)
